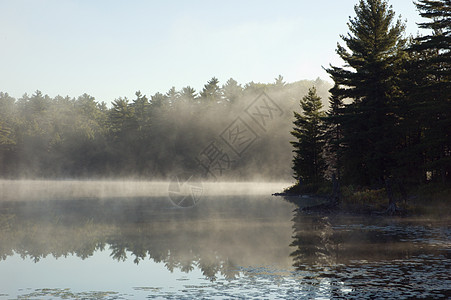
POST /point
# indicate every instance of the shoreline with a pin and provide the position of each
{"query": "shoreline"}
(433, 205)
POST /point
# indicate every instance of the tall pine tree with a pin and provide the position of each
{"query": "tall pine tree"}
(431, 93)
(369, 78)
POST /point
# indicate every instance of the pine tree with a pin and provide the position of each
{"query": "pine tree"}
(279, 83)
(172, 96)
(6, 121)
(121, 118)
(373, 57)
(308, 162)
(431, 93)
(8, 137)
(211, 91)
(232, 91)
(333, 134)
(188, 94)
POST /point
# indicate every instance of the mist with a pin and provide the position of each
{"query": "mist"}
(43, 190)
(155, 137)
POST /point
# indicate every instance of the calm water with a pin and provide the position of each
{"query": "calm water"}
(127, 240)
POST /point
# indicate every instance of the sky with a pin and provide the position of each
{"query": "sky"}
(110, 48)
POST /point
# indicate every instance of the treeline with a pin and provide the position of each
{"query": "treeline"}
(390, 108)
(146, 137)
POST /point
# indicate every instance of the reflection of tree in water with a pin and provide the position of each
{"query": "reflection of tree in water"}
(118, 251)
(335, 251)
(314, 241)
(185, 256)
(25, 243)
(323, 240)
(180, 242)
(315, 255)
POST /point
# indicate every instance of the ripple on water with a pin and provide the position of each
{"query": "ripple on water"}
(423, 276)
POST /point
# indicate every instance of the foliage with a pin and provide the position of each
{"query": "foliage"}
(308, 162)
(389, 109)
(429, 92)
(359, 196)
(373, 56)
(151, 137)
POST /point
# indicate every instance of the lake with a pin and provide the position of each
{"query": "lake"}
(156, 240)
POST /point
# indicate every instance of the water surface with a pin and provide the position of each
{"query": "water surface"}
(127, 240)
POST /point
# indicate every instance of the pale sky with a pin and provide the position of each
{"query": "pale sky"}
(111, 49)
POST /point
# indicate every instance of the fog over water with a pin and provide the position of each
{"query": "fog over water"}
(184, 193)
(26, 190)
(127, 240)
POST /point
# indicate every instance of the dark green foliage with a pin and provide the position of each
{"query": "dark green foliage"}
(389, 118)
(373, 60)
(308, 161)
(333, 133)
(430, 89)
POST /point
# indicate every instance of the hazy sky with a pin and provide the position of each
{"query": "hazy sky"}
(111, 49)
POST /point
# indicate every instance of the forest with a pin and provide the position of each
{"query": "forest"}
(388, 122)
(152, 137)
(387, 114)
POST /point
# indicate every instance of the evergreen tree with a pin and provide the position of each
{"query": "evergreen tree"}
(410, 157)
(188, 94)
(121, 117)
(142, 133)
(308, 161)
(373, 57)
(158, 101)
(7, 136)
(7, 113)
(232, 91)
(278, 82)
(333, 133)
(172, 96)
(430, 90)
(211, 91)
(141, 111)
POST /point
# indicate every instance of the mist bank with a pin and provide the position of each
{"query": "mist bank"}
(224, 132)
(43, 190)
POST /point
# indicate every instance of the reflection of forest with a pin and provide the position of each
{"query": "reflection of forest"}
(341, 256)
(217, 237)
(326, 240)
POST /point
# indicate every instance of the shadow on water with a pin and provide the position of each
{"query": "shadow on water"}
(240, 243)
